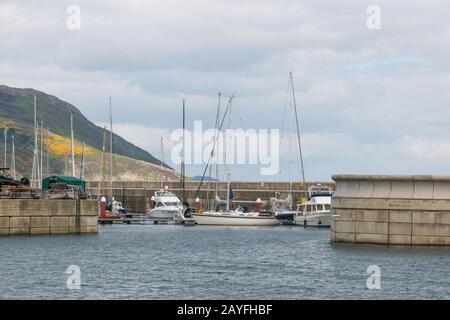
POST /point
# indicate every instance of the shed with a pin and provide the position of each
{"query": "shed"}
(56, 182)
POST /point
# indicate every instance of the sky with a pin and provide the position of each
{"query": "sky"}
(373, 101)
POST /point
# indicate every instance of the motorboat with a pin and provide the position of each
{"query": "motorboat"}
(282, 209)
(316, 212)
(164, 206)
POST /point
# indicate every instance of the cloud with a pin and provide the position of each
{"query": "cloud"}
(369, 101)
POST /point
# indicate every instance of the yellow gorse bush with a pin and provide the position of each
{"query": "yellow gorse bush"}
(60, 145)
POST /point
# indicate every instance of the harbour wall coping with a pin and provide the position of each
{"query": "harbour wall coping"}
(391, 209)
(47, 216)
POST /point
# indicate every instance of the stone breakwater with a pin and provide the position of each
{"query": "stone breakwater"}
(391, 209)
(46, 216)
(135, 195)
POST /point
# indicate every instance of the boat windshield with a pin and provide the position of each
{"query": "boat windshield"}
(172, 204)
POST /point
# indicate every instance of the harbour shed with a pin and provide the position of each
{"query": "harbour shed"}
(62, 182)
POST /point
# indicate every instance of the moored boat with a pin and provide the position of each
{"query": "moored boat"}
(316, 212)
(235, 218)
(164, 206)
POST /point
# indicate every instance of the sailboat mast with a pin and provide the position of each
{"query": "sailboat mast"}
(72, 145)
(6, 142)
(110, 146)
(102, 178)
(229, 164)
(213, 153)
(13, 158)
(35, 170)
(298, 129)
(217, 129)
(47, 152)
(65, 165)
(82, 163)
(42, 154)
(162, 163)
(183, 168)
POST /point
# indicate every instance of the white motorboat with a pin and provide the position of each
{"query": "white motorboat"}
(316, 212)
(164, 206)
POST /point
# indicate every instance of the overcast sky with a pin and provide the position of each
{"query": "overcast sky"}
(370, 101)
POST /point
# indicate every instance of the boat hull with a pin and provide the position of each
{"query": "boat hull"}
(314, 220)
(162, 214)
(229, 220)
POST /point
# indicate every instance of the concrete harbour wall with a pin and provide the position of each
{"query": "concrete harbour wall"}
(45, 216)
(400, 210)
(135, 195)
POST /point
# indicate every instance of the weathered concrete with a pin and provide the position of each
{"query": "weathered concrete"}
(135, 195)
(45, 216)
(383, 209)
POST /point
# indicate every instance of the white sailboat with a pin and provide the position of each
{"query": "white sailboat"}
(227, 216)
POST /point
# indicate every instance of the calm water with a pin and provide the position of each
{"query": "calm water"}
(175, 262)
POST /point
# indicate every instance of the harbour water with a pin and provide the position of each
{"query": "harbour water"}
(175, 262)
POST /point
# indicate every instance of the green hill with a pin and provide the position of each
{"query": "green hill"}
(16, 114)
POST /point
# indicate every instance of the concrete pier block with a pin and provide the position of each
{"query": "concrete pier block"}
(431, 241)
(372, 227)
(400, 228)
(372, 215)
(400, 239)
(372, 238)
(344, 237)
(45, 216)
(4, 222)
(431, 217)
(400, 216)
(432, 230)
(60, 230)
(57, 222)
(40, 222)
(344, 214)
(40, 230)
(19, 222)
(89, 229)
(344, 226)
(404, 210)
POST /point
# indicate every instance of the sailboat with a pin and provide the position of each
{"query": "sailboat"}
(316, 210)
(225, 215)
